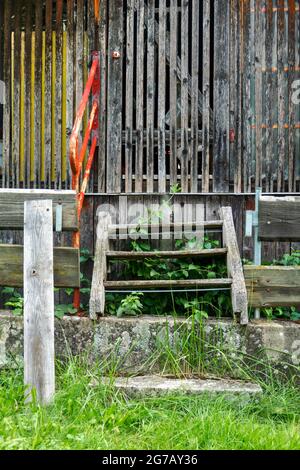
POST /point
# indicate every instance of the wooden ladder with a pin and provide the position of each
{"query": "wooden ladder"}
(103, 255)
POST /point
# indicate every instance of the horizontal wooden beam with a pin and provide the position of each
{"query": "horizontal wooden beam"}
(213, 224)
(12, 207)
(279, 218)
(273, 286)
(66, 266)
(165, 284)
(113, 255)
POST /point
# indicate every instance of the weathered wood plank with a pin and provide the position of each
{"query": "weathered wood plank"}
(195, 44)
(16, 97)
(102, 45)
(173, 92)
(206, 121)
(279, 218)
(259, 47)
(234, 266)
(28, 78)
(273, 286)
(281, 96)
(66, 266)
(235, 156)
(12, 206)
(215, 224)
(70, 79)
(38, 94)
(7, 94)
(166, 254)
(221, 96)
(150, 95)
(97, 299)
(39, 368)
(48, 101)
(58, 95)
(193, 283)
(246, 90)
(162, 97)
(129, 95)
(140, 81)
(185, 149)
(268, 93)
(114, 98)
(292, 41)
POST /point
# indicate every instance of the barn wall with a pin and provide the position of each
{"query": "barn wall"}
(200, 94)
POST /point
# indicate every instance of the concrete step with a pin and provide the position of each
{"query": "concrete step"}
(160, 385)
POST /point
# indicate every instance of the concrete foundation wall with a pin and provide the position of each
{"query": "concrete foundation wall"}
(133, 343)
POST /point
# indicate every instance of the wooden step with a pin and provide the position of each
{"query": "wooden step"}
(112, 255)
(213, 224)
(166, 284)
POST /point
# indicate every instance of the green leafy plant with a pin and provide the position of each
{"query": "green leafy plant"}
(63, 309)
(131, 305)
(15, 301)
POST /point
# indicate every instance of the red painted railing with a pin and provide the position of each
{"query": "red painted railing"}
(76, 154)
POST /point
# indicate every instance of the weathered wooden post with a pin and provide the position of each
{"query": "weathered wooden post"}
(39, 371)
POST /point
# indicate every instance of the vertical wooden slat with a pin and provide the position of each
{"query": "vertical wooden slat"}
(206, 96)
(246, 91)
(139, 157)
(48, 103)
(16, 98)
(258, 93)
(185, 152)
(7, 97)
(268, 103)
(292, 41)
(70, 78)
(150, 95)
(162, 98)
(221, 96)
(195, 90)
(28, 44)
(102, 46)
(129, 95)
(58, 94)
(92, 39)
(173, 91)
(281, 96)
(274, 101)
(79, 51)
(235, 96)
(38, 93)
(114, 98)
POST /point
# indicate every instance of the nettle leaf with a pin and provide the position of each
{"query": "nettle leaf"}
(69, 291)
(8, 290)
(72, 310)
(211, 275)
(200, 314)
(154, 273)
(85, 290)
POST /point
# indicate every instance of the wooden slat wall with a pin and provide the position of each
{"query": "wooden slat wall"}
(46, 57)
(201, 96)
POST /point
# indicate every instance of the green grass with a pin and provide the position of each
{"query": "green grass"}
(95, 417)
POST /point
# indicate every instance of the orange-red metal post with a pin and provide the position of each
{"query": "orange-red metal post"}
(76, 156)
